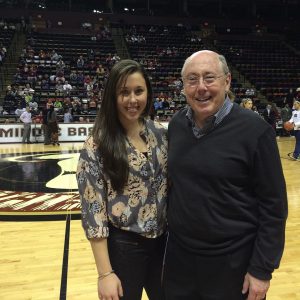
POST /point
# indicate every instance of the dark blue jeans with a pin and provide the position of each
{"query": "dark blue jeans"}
(137, 262)
(297, 146)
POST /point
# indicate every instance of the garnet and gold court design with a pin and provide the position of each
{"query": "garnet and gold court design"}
(39, 183)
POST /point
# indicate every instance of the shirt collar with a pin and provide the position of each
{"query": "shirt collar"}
(211, 121)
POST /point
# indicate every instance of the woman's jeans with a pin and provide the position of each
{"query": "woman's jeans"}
(137, 261)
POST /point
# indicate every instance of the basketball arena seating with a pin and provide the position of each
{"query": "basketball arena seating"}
(6, 36)
(270, 65)
(162, 53)
(70, 47)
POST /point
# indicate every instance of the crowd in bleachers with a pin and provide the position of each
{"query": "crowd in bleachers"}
(6, 34)
(69, 71)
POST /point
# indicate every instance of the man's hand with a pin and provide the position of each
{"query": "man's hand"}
(257, 289)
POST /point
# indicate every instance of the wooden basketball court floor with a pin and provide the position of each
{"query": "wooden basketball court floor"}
(43, 251)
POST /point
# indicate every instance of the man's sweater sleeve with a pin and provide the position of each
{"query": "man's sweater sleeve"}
(270, 190)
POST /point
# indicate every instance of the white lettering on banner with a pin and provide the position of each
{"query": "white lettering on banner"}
(68, 132)
(71, 132)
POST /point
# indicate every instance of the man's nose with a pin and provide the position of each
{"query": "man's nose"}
(201, 85)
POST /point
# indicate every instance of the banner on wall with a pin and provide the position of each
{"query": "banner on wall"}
(77, 132)
(68, 132)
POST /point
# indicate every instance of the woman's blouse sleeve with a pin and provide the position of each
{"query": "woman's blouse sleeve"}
(92, 191)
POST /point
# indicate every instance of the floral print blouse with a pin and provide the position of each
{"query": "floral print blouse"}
(141, 208)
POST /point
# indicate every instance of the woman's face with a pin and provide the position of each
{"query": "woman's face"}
(248, 104)
(132, 96)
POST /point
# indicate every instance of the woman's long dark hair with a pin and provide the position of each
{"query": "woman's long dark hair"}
(108, 133)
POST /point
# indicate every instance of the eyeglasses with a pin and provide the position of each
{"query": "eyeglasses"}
(193, 80)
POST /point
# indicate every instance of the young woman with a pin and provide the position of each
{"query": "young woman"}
(123, 187)
(247, 103)
(295, 119)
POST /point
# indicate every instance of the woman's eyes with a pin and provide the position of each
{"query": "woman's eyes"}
(127, 92)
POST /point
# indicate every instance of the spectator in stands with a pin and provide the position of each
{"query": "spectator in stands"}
(18, 76)
(109, 62)
(122, 183)
(67, 103)
(179, 96)
(52, 122)
(116, 58)
(55, 56)
(28, 88)
(52, 80)
(80, 77)
(59, 88)
(295, 119)
(80, 62)
(157, 104)
(92, 106)
(49, 102)
(60, 78)
(68, 118)
(91, 54)
(92, 65)
(28, 97)
(33, 105)
(67, 88)
(227, 198)
(32, 74)
(88, 84)
(45, 84)
(26, 120)
(270, 115)
(42, 54)
(165, 104)
(177, 83)
(85, 109)
(100, 71)
(76, 109)
(57, 105)
(247, 103)
(60, 65)
(81, 120)
(73, 77)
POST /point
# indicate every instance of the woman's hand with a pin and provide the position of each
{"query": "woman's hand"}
(110, 288)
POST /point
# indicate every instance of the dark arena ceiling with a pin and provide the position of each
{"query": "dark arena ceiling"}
(237, 9)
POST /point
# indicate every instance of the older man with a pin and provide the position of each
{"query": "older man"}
(227, 204)
(26, 119)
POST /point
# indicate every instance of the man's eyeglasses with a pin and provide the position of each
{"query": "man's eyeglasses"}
(193, 80)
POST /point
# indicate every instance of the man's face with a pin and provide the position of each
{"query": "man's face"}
(205, 84)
